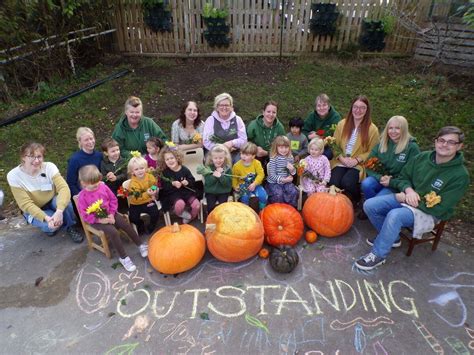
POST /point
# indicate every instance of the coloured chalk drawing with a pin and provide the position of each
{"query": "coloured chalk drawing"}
(360, 341)
(178, 336)
(379, 348)
(211, 332)
(311, 333)
(381, 333)
(336, 254)
(92, 289)
(457, 346)
(338, 325)
(449, 305)
(429, 338)
(255, 339)
(470, 333)
(123, 349)
(139, 326)
(255, 322)
(126, 282)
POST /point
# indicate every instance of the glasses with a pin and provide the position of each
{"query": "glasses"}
(37, 157)
(360, 108)
(223, 105)
(444, 141)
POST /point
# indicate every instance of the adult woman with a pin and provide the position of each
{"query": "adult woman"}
(225, 127)
(186, 131)
(356, 135)
(41, 193)
(321, 119)
(395, 149)
(86, 155)
(133, 129)
(263, 130)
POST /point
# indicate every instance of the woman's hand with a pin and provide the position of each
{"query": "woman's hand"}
(229, 145)
(57, 218)
(411, 197)
(385, 180)
(261, 152)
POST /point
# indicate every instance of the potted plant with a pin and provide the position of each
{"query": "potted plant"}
(323, 21)
(373, 35)
(217, 28)
(157, 15)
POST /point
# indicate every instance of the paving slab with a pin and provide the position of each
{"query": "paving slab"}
(58, 298)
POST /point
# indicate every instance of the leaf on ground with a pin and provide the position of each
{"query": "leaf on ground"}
(115, 265)
(239, 286)
(38, 281)
(123, 302)
(319, 247)
(111, 314)
(204, 316)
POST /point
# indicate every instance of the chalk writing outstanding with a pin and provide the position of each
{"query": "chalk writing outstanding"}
(232, 301)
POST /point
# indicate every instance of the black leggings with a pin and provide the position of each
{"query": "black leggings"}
(112, 231)
(213, 198)
(135, 211)
(348, 180)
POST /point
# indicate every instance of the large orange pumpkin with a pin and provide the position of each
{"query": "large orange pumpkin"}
(329, 214)
(282, 223)
(234, 232)
(177, 248)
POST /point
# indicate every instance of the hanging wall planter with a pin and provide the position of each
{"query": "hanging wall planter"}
(157, 15)
(217, 27)
(373, 36)
(323, 21)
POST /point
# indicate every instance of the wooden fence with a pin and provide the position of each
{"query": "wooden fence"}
(256, 27)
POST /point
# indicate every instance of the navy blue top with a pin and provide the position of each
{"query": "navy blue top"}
(77, 161)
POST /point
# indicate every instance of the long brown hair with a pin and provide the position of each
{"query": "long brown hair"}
(364, 125)
(182, 116)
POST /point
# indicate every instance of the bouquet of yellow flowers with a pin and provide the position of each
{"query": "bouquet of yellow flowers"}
(97, 209)
(432, 199)
(331, 142)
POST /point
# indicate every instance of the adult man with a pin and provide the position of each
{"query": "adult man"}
(440, 173)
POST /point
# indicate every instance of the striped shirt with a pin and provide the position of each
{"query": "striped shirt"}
(277, 169)
(351, 143)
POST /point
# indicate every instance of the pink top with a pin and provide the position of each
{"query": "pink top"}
(208, 130)
(151, 162)
(87, 198)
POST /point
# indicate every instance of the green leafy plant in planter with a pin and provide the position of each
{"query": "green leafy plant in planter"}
(157, 15)
(373, 35)
(217, 27)
(323, 21)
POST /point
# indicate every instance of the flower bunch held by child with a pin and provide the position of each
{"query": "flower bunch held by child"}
(97, 209)
(318, 170)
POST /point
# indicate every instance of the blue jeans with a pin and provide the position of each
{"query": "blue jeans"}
(69, 218)
(259, 192)
(388, 217)
(371, 188)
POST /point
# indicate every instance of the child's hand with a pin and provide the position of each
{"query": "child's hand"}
(252, 187)
(324, 182)
(111, 218)
(111, 176)
(217, 173)
(290, 167)
(297, 158)
(185, 182)
(105, 220)
(176, 184)
(289, 178)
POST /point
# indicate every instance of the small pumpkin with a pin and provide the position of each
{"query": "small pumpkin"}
(284, 259)
(329, 213)
(264, 253)
(282, 223)
(234, 232)
(175, 249)
(311, 236)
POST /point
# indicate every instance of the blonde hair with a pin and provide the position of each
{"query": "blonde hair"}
(249, 148)
(89, 174)
(136, 161)
(222, 97)
(280, 141)
(318, 142)
(80, 132)
(169, 150)
(132, 101)
(217, 149)
(322, 98)
(405, 135)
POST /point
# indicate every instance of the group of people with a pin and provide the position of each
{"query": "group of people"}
(260, 160)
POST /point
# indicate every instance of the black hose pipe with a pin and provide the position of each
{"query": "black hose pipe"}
(59, 100)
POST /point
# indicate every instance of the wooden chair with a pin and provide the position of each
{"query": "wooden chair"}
(90, 232)
(434, 236)
(300, 191)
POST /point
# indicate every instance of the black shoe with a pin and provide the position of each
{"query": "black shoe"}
(369, 262)
(362, 216)
(396, 244)
(75, 235)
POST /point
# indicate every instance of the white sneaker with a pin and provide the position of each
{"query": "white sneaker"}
(128, 264)
(143, 250)
(186, 217)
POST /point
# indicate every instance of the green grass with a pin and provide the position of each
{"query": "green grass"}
(394, 87)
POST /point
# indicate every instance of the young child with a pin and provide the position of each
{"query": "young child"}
(142, 194)
(113, 167)
(93, 190)
(317, 167)
(280, 170)
(216, 185)
(153, 147)
(177, 185)
(245, 166)
(298, 141)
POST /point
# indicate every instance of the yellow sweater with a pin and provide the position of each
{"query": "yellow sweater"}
(358, 151)
(239, 169)
(141, 186)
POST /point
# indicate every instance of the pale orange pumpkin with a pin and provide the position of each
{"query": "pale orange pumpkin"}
(234, 232)
(311, 236)
(177, 248)
(264, 253)
(282, 223)
(329, 214)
